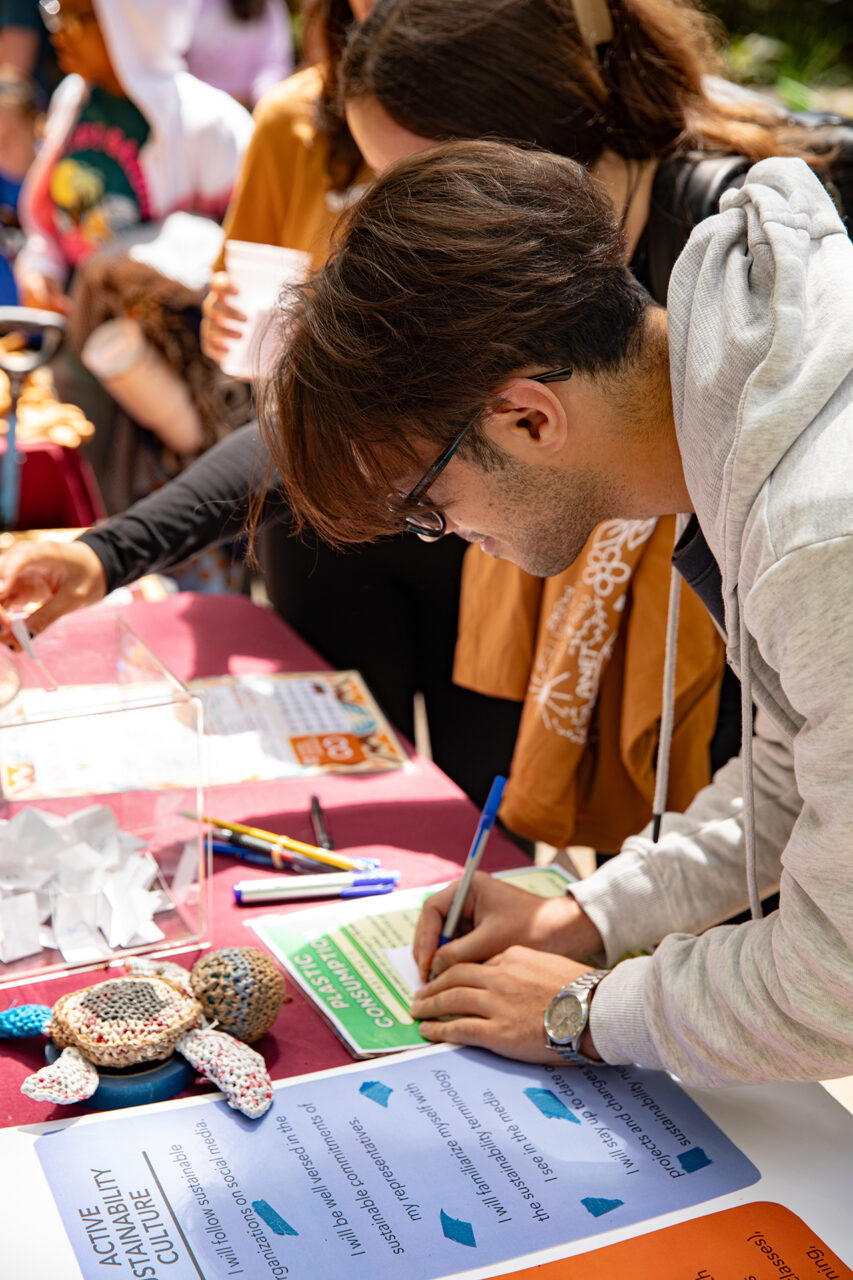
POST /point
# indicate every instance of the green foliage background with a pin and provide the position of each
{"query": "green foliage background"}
(800, 47)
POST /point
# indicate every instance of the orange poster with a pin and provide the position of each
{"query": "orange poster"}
(760, 1241)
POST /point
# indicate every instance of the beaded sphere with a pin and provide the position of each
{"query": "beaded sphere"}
(240, 988)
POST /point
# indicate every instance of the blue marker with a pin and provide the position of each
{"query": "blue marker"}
(475, 854)
(346, 885)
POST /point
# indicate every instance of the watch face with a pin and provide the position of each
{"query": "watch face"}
(565, 1018)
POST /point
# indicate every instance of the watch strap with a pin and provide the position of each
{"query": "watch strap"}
(580, 987)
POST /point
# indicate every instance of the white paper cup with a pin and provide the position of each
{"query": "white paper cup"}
(113, 348)
(258, 272)
(141, 381)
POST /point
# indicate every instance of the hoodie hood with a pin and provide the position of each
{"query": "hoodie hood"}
(755, 369)
(198, 133)
(147, 40)
(752, 361)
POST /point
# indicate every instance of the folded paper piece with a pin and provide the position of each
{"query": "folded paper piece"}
(77, 883)
(19, 926)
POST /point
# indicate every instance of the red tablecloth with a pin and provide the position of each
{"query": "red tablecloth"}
(421, 813)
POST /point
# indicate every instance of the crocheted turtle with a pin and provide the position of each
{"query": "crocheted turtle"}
(145, 1017)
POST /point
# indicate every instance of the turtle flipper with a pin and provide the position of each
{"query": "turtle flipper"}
(240, 1072)
(25, 1020)
(72, 1078)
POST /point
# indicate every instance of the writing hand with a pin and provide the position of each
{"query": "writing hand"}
(500, 915)
(499, 1005)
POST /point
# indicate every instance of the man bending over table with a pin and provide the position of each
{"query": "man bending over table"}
(475, 358)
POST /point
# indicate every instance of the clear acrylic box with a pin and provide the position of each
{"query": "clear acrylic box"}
(100, 762)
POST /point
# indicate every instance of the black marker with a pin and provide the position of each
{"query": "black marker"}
(318, 822)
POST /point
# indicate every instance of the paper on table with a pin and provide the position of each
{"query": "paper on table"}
(257, 727)
(720, 1244)
(354, 959)
(413, 1168)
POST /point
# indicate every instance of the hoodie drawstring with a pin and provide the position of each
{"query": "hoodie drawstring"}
(746, 763)
(665, 740)
(667, 716)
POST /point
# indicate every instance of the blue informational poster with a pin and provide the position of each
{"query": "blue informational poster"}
(416, 1167)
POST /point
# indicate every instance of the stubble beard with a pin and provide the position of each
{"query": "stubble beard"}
(553, 516)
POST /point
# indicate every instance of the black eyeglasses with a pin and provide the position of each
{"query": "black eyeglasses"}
(428, 522)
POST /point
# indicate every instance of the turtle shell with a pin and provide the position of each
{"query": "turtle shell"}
(124, 1020)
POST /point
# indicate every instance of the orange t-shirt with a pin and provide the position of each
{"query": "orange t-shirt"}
(283, 195)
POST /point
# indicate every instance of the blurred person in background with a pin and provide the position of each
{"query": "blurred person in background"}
(25, 44)
(129, 137)
(242, 46)
(19, 126)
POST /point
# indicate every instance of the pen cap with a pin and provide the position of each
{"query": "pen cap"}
(493, 800)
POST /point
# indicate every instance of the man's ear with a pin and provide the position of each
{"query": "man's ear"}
(530, 422)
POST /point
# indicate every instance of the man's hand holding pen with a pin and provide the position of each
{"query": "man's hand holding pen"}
(494, 981)
(499, 915)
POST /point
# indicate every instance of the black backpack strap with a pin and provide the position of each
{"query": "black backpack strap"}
(686, 190)
(837, 133)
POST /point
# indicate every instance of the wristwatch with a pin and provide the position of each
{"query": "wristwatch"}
(567, 1015)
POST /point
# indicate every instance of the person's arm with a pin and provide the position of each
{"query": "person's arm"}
(207, 503)
(694, 877)
(19, 47)
(770, 999)
(41, 271)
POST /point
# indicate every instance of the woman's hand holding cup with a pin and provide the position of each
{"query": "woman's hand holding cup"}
(221, 322)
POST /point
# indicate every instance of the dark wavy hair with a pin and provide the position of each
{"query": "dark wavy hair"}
(523, 71)
(330, 22)
(457, 268)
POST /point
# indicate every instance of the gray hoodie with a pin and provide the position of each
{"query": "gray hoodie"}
(760, 314)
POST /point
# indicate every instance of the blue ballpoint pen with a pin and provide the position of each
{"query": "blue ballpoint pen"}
(475, 853)
(258, 858)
